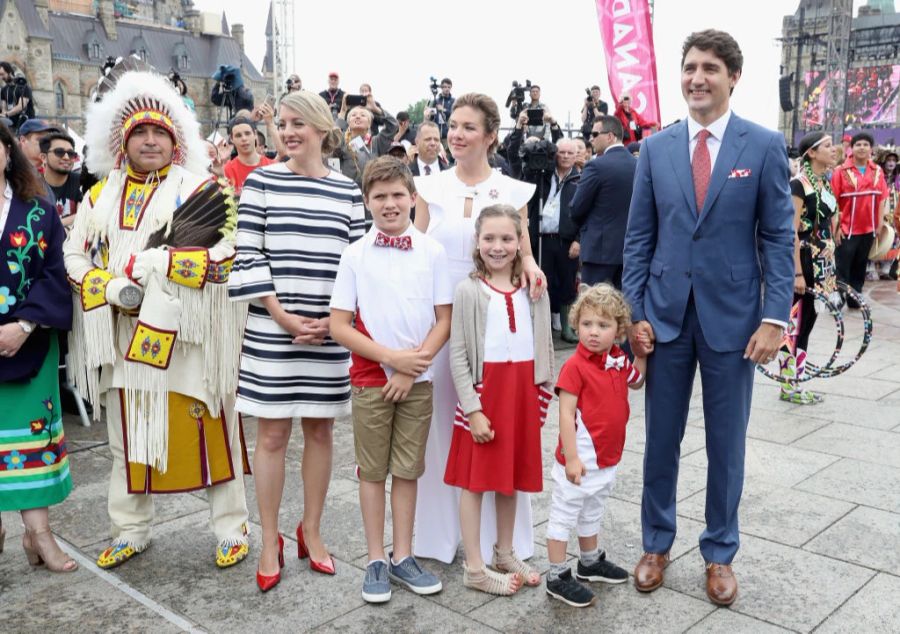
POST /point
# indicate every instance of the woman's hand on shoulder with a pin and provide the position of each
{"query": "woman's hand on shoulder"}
(534, 278)
(480, 427)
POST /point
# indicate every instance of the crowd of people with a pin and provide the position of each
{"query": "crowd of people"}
(411, 278)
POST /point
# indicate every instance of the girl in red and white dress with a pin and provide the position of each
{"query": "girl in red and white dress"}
(501, 359)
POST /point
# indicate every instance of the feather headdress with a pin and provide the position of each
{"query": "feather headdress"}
(140, 97)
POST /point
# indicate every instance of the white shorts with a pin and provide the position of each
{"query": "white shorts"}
(579, 507)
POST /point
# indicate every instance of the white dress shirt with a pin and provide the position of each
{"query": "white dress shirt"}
(435, 167)
(714, 141)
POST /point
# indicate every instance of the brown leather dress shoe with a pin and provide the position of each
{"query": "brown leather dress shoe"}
(721, 584)
(648, 574)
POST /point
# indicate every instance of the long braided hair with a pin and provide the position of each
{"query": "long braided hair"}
(818, 183)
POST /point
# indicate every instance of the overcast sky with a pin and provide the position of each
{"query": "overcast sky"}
(482, 45)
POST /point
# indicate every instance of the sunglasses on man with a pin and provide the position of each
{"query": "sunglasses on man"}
(595, 134)
(58, 152)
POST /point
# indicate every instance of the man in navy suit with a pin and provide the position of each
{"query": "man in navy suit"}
(709, 273)
(600, 205)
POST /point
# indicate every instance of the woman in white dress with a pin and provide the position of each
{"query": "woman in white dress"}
(447, 206)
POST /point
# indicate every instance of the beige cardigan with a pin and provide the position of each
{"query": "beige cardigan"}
(467, 332)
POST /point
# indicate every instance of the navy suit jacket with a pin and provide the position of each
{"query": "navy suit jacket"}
(735, 254)
(600, 205)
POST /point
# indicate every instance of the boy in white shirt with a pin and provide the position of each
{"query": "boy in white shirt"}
(391, 308)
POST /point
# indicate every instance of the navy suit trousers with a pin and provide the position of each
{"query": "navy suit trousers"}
(727, 380)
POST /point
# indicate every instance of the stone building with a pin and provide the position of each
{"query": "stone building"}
(60, 46)
(872, 81)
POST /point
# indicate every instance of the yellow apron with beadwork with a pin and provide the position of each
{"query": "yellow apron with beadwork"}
(199, 452)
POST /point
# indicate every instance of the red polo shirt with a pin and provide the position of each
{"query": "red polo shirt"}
(602, 399)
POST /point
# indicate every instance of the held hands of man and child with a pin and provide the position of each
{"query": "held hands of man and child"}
(761, 348)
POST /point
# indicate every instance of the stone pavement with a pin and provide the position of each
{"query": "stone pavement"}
(820, 525)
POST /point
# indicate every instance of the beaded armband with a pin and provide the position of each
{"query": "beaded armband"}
(219, 271)
(93, 289)
(188, 267)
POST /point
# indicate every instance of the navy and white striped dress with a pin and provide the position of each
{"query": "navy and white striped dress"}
(291, 232)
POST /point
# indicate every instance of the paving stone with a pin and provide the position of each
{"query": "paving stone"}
(873, 609)
(619, 608)
(782, 428)
(860, 387)
(772, 462)
(82, 518)
(849, 441)
(405, 612)
(777, 584)
(853, 411)
(859, 482)
(724, 620)
(869, 537)
(36, 600)
(782, 515)
(180, 572)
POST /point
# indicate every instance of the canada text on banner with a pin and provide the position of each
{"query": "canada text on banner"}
(630, 59)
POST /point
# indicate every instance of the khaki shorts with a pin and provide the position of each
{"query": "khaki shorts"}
(391, 437)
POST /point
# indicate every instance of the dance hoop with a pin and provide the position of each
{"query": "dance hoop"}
(866, 313)
(811, 370)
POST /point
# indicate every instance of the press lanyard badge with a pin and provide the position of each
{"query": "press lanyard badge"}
(551, 209)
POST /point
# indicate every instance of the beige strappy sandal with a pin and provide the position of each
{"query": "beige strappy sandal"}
(508, 562)
(491, 582)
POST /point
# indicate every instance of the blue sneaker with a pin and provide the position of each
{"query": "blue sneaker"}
(376, 586)
(409, 573)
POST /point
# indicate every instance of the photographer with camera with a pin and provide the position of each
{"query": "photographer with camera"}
(293, 83)
(541, 129)
(593, 107)
(553, 233)
(333, 95)
(16, 101)
(229, 92)
(441, 105)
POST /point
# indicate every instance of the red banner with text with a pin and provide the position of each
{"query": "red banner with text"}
(627, 35)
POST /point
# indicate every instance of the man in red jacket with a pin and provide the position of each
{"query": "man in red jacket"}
(861, 193)
(632, 121)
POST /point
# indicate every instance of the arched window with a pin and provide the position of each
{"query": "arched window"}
(60, 94)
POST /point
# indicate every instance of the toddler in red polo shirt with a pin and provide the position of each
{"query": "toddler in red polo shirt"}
(593, 410)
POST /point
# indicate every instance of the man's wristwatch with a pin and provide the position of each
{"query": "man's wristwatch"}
(26, 326)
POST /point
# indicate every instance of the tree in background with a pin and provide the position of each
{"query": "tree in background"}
(416, 111)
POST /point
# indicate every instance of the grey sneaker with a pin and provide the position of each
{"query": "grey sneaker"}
(376, 586)
(409, 573)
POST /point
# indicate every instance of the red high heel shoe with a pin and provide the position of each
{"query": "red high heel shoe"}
(326, 568)
(267, 582)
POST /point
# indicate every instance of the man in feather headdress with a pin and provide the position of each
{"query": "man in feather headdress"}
(155, 339)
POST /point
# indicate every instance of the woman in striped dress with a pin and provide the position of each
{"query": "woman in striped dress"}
(294, 220)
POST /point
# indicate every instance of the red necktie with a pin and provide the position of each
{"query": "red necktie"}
(404, 243)
(701, 168)
(428, 170)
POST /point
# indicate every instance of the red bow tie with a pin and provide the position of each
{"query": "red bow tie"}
(404, 243)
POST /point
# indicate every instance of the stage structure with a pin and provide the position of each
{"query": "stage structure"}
(843, 72)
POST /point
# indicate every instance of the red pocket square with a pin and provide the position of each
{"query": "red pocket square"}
(739, 173)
